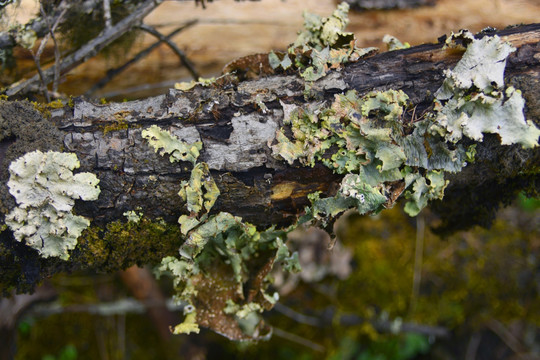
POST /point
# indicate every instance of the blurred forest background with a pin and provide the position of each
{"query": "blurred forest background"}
(390, 289)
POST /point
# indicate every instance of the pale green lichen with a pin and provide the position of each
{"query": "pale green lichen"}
(473, 100)
(185, 86)
(188, 326)
(424, 189)
(164, 142)
(133, 216)
(261, 104)
(320, 32)
(247, 315)
(201, 192)
(323, 44)
(347, 124)
(364, 137)
(393, 43)
(213, 239)
(45, 189)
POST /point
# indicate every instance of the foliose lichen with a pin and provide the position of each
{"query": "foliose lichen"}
(393, 43)
(212, 240)
(473, 99)
(322, 45)
(45, 190)
(364, 137)
(164, 142)
(360, 137)
(185, 86)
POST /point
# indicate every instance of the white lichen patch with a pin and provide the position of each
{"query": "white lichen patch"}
(481, 66)
(242, 150)
(473, 101)
(133, 216)
(45, 189)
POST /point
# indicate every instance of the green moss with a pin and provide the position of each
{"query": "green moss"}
(45, 108)
(123, 244)
(115, 127)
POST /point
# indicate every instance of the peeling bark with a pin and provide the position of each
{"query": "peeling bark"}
(236, 134)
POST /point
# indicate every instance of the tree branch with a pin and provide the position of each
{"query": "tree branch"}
(142, 54)
(166, 39)
(227, 117)
(92, 48)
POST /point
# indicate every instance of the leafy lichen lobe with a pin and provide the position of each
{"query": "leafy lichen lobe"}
(45, 190)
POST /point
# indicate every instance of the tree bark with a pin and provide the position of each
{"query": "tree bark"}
(236, 135)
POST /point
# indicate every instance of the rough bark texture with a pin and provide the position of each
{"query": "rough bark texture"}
(235, 133)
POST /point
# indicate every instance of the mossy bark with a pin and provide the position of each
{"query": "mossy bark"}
(236, 131)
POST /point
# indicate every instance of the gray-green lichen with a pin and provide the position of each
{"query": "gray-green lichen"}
(164, 142)
(364, 136)
(212, 240)
(133, 216)
(473, 99)
(201, 192)
(322, 45)
(185, 86)
(45, 190)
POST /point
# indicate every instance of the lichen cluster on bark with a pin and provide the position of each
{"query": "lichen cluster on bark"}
(317, 130)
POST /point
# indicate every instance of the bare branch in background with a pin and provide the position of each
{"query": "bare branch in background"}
(56, 48)
(298, 339)
(142, 54)
(107, 13)
(388, 4)
(39, 25)
(393, 326)
(89, 50)
(183, 58)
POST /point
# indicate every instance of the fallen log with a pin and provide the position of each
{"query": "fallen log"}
(237, 119)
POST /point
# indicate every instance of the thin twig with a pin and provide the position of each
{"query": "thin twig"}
(183, 58)
(297, 339)
(167, 84)
(418, 256)
(472, 346)
(39, 25)
(142, 54)
(41, 76)
(296, 316)
(56, 48)
(107, 13)
(395, 327)
(90, 49)
(506, 336)
(353, 320)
